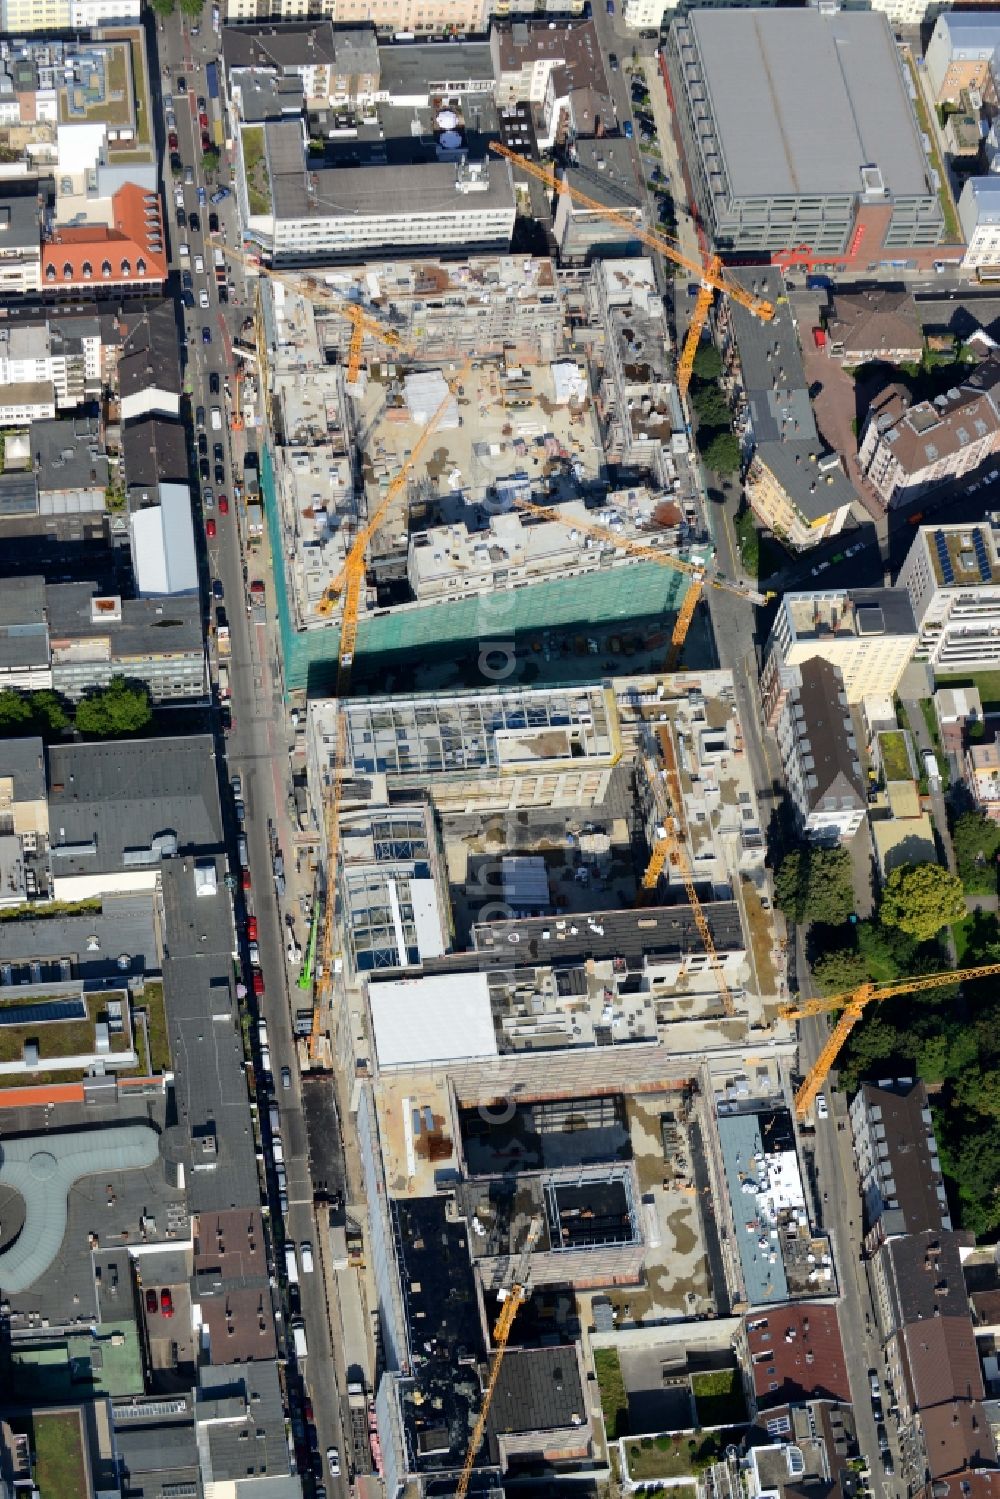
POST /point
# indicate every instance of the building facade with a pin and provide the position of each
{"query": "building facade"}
(960, 53)
(819, 752)
(951, 576)
(979, 211)
(763, 176)
(907, 450)
(899, 1169)
(869, 634)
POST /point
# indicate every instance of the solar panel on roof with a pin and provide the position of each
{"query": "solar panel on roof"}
(947, 571)
(35, 1014)
(985, 571)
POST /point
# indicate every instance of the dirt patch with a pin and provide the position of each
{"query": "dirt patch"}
(685, 1240)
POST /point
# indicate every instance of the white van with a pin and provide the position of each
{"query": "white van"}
(291, 1265)
(265, 1061)
(216, 419)
(306, 1251)
(262, 1032)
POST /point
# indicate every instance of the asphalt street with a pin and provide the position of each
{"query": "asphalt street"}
(257, 745)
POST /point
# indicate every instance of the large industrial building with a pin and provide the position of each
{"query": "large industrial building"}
(799, 135)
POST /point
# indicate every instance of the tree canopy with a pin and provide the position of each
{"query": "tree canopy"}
(976, 840)
(922, 898)
(723, 454)
(41, 712)
(120, 708)
(815, 884)
(707, 361)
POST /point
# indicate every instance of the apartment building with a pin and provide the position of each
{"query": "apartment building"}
(296, 215)
(979, 212)
(335, 68)
(877, 324)
(951, 576)
(129, 256)
(819, 752)
(899, 1169)
(906, 450)
(869, 634)
(558, 68)
(960, 54)
(64, 354)
(148, 371)
(795, 484)
(388, 16)
(21, 17)
(20, 245)
(982, 775)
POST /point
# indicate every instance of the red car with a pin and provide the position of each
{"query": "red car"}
(166, 1302)
(223, 505)
(251, 929)
(150, 1300)
(172, 140)
(206, 143)
(258, 983)
(203, 119)
(210, 529)
(246, 879)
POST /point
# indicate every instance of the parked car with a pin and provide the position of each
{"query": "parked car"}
(213, 383)
(203, 298)
(241, 811)
(166, 1302)
(213, 223)
(203, 444)
(254, 951)
(873, 1385)
(627, 129)
(333, 1461)
(220, 474)
(199, 418)
(199, 265)
(201, 197)
(888, 1466)
(195, 222)
(172, 140)
(204, 470)
(207, 498)
(218, 591)
(189, 176)
(258, 978)
(210, 529)
(181, 219)
(286, 1077)
(187, 284)
(206, 335)
(220, 195)
(306, 1256)
(184, 250)
(202, 119)
(822, 1112)
(187, 297)
(223, 505)
(218, 452)
(151, 1302)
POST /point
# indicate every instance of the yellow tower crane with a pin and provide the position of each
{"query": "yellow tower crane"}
(517, 1294)
(350, 581)
(670, 845)
(853, 1005)
(712, 277)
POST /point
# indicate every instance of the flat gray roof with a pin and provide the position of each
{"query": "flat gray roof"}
(803, 100)
(109, 800)
(24, 761)
(249, 1395)
(376, 191)
(20, 224)
(24, 634)
(148, 626)
(126, 924)
(69, 454)
(43, 1169)
(210, 1083)
(410, 67)
(18, 495)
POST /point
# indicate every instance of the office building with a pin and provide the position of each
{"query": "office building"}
(799, 135)
(795, 484)
(869, 634)
(602, 170)
(558, 69)
(819, 752)
(296, 214)
(906, 450)
(951, 576)
(128, 256)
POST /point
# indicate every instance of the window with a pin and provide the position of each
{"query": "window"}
(67, 271)
(106, 268)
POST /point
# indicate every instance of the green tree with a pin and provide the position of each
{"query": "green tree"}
(977, 844)
(191, 7)
(723, 454)
(921, 899)
(49, 713)
(15, 712)
(815, 884)
(116, 710)
(210, 158)
(838, 971)
(707, 362)
(163, 7)
(711, 406)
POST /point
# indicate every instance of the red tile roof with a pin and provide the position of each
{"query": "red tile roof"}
(796, 1354)
(942, 1360)
(133, 251)
(956, 1436)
